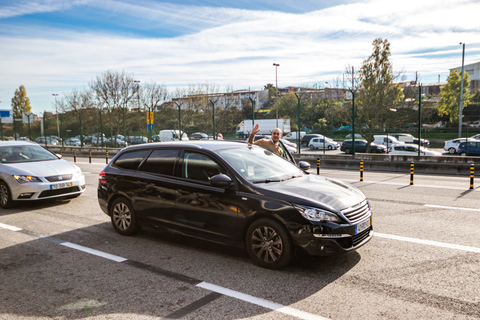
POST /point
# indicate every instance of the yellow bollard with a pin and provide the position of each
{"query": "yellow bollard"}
(106, 157)
(411, 173)
(74, 155)
(361, 170)
(318, 166)
(472, 175)
(90, 156)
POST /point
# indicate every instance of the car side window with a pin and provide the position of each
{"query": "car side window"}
(131, 160)
(411, 149)
(161, 161)
(199, 167)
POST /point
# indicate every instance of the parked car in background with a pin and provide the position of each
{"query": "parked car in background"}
(137, 140)
(292, 147)
(306, 138)
(172, 135)
(357, 135)
(408, 138)
(236, 194)
(323, 143)
(411, 150)
(50, 140)
(23, 139)
(72, 142)
(30, 172)
(118, 143)
(385, 140)
(452, 145)
(361, 146)
(155, 138)
(199, 136)
(469, 148)
(293, 136)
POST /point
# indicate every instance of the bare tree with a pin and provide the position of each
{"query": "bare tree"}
(115, 92)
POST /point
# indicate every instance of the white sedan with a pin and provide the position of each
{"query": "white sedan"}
(411, 150)
(322, 143)
(452, 145)
(30, 172)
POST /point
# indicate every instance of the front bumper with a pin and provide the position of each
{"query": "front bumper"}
(318, 244)
(44, 190)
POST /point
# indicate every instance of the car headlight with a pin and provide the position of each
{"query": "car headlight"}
(78, 173)
(314, 214)
(25, 179)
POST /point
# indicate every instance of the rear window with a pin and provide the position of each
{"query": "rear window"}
(161, 161)
(131, 160)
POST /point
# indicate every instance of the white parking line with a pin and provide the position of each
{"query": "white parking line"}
(260, 302)
(451, 208)
(6, 226)
(94, 252)
(428, 242)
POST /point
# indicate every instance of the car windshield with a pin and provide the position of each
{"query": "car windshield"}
(259, 165)
(25, 153)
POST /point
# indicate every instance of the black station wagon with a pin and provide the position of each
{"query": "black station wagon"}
(236, 194)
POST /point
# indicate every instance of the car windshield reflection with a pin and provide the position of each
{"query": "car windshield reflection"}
(258, 165)
(30, 153)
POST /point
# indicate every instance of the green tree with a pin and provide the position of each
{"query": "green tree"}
(378, 96)
(20, 102)
(449, 104)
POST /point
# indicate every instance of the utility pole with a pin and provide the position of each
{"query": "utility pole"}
(461, 95)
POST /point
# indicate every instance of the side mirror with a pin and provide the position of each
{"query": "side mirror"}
(304, 166)
(221, 181)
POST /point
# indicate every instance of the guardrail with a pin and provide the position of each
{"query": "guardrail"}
(396, 163)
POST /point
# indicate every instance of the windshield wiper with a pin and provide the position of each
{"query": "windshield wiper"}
(267, 181)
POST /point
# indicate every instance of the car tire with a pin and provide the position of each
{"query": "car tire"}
(329, 147)
(268, 244)
(347, 150)
(463, 154)
(452, 151)
(311, 147)
(5, 196)
(123, 217)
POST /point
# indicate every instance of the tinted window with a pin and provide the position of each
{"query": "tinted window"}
(131, 160)
(161, 161)
(199, 167)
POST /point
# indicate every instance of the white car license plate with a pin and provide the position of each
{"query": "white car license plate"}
(60, 185)
(362, 226)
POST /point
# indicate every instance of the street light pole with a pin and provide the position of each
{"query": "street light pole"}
(461, 95)
(276, 91)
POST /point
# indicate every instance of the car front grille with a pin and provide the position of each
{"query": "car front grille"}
(358, 238)
(357, 213)
(59, 178)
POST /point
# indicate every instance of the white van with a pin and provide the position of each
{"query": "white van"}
(292, 136)
(171, 135)
(386, 140)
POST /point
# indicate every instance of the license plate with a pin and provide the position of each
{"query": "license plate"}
(60, 185)
(362, 226)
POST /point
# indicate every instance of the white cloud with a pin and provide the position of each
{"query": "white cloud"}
(232, 46)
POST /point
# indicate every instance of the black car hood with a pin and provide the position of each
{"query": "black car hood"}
(315, 191)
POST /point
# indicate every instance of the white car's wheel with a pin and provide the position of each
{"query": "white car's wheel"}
(452, 151)
(5, 196)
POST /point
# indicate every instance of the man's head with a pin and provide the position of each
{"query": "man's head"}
(276, 135)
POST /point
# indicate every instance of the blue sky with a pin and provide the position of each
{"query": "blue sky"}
(54, 46)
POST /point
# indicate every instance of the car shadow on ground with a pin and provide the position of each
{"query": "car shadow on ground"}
(42, 278)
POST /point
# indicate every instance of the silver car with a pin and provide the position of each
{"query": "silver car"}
(452, 145)
(30, 172)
